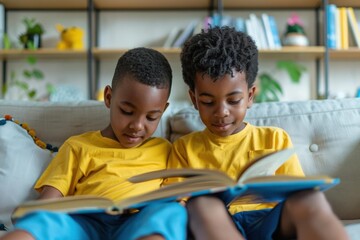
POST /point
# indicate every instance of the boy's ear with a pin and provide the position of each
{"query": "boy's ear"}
(107, 96)
(166, 106)
(251, 96)
(193, 99)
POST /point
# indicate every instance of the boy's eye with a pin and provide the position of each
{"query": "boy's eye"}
(234, 102)
(206, 102)
(125, 112)
(151, 119)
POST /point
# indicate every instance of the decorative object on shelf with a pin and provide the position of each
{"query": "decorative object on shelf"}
(295, 33)
(70, 38)
(19, 86)
(31, 38)
(269, 89)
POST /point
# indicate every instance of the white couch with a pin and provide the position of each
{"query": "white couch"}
(326, 135)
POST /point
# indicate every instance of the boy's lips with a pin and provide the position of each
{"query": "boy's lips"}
(133, 138)
(221, 126)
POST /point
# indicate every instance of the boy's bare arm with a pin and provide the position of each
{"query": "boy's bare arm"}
(50, 192)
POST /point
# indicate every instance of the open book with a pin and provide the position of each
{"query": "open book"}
(256, 184)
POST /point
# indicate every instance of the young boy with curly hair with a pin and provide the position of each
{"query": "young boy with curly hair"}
(220, 66)
(100, 162)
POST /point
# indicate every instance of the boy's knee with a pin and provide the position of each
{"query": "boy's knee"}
(206, 204)
(306, 204)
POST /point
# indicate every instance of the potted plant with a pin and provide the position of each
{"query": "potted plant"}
(31, 38)
(269, 89)
(21, 85)
(295, 33)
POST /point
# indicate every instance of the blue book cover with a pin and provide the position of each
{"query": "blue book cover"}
(331, 26)
(256, 184)
(275, 31)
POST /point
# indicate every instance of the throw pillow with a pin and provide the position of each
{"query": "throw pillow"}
(23, 157)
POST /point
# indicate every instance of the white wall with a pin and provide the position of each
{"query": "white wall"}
(121, 29)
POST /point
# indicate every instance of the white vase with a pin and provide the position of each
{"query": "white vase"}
(295, 39)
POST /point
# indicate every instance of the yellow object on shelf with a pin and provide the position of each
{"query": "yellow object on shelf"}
(70, 38)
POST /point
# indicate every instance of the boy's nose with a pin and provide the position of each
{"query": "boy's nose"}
(137, 125)
(221, 111)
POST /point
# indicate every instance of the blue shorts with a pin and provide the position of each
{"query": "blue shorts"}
(166, 219)
(258, 224)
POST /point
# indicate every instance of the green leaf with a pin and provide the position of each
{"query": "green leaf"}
(22, 85)
(37, 74)
(50, 88)
(32, 94)
(269, 90)
(31, 59)
(27, 73)
(6, 41)
(31, 45)
(4, 89)
(293, 69)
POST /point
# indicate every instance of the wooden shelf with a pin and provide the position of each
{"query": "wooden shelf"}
(44, 4)
(295, 53)
(273, 4)
(353, 53)
(345, 3)
(169, 4)
(43, 53)
(151, 4)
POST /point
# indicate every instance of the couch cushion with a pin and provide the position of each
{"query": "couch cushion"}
(21, 163)
(325, 133)
(57, 121)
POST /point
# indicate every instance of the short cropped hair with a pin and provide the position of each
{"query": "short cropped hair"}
(146, 66)
(219, 51)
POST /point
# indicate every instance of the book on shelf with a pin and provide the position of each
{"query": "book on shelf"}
(258, 31)
(257, 183)
(169, 41)
(331, 25)
(239, 24)
(185, 34)
(275, 31)
(344, 28)
(269, 36)
(338, 29)
(353, 25)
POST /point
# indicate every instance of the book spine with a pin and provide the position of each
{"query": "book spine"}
(331, 26)
(268, 33)
(252, 26)
(344, 29)
(338, 29)
(275, 32)
(353, 25)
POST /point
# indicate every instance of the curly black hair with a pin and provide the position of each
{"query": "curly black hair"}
(219, 51)
(146, 66)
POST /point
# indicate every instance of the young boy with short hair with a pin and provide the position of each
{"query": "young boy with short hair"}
(100, 162)
(220, 66)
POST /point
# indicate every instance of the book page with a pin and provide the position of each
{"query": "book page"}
(266, 165)
(184, 172)
(192, 186)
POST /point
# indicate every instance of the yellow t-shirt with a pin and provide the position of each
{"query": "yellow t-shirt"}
(230, 154)
(90, 164)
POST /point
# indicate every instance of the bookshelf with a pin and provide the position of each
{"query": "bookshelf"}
(94, 55)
